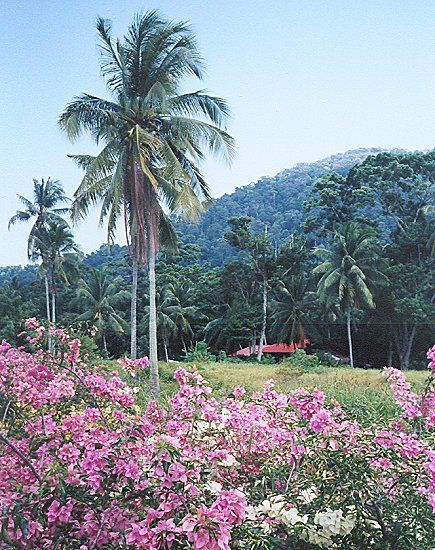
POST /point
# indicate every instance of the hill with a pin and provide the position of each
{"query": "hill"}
(275, 202)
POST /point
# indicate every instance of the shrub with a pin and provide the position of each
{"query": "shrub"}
(81, 466)
(299, 362)
(222, 356)
(89, 350)
(328, 360)
(200, 353)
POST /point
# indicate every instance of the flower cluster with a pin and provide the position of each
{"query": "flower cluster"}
(330, 524)
(431, 357)
(134, 366)
(82, 466)
(415, 406)
(419, 409)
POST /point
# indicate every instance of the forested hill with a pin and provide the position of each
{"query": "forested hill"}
(275, 202)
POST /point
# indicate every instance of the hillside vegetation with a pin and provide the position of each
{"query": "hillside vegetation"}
(273, 202)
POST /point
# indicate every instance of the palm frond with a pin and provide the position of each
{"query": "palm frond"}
(19, 217)
(82, 161)
(195, 103)
(88, 113)
(168, 234)
(111, 60)
(216, 140)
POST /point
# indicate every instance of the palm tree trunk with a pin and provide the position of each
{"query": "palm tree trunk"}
(47, 298)
(53, 319)
(154, 365)
(408, 348)
(404, 342)
(133, 310)
(349, 336)
(390, 348)
(47, 305)
(104, 343)
(253, 342)
(390, 354)
(263, 326)
(165, 345)
(53, 308)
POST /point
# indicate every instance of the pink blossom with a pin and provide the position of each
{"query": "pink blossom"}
(431, 357)
(59, 514)
(239, 391)
(185, 474)
(134, 366)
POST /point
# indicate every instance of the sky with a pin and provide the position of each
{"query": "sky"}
(305, 79)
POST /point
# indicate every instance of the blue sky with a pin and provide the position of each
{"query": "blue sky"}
(305, 79)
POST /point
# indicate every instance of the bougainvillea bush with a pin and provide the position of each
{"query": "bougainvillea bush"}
(82, 466)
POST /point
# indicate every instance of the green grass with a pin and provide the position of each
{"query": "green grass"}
(364, 394)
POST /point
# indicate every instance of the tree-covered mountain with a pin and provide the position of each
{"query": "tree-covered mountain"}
(275, 203)
(22, 275)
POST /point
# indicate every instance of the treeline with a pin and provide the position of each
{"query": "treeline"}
(356, 278)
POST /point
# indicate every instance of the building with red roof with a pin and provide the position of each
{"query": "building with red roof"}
(275, 350)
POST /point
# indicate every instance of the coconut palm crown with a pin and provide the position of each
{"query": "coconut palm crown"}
(292, 309)
(99, 293)
(47, 196)
(59, 255)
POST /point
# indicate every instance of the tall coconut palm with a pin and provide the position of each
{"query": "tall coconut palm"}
(99, 293)
(59, 255)
(45, 209)
(153, 139)
(292, 309)
(259, 252)
(349, 273)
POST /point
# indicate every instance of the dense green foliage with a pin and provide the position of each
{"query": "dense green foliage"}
(390, 299)
(273, 202)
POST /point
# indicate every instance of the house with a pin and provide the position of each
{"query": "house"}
(275, 350)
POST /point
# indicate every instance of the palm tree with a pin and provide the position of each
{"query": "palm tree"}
(292, 309)
(166, 311)
(327, 315)
(349, 273)
(173, 318)
(259, 252)
(59, 256)
(47, 196)
(153, 136)
(100, 292)
(186, 312)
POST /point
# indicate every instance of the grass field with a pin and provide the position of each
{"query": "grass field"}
(364, 394)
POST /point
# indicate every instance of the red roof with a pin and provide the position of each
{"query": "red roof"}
(272, 348)
(284, 348)
(244, 352)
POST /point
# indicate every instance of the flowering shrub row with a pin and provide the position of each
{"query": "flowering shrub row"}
(81, 466)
